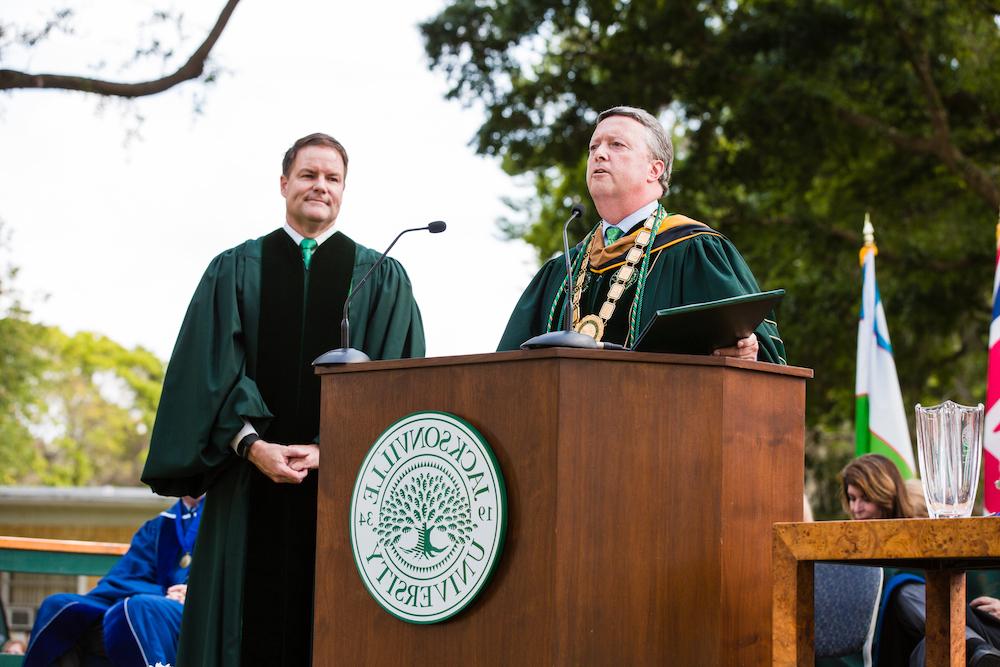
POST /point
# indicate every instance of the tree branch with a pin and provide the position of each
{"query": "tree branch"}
(192, 69)
(939, 144)
(893, 134)
(978, 179)
(973, 175)
(921, 62)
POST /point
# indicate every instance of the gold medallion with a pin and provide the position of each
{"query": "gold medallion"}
(592, 326)
(185, 560)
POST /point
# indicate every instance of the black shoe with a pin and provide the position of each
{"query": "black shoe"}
(984, 656)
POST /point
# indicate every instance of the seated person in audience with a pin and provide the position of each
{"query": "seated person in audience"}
(10, 643)
(133, 617)
(13, 646)
(872, 488)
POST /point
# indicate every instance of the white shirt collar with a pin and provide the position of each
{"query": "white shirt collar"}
(330, 231)
(629, 221)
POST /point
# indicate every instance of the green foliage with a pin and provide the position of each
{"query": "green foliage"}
(74, 410)
(791, 119)
(19, 370)
(99, 403)
(86, 416)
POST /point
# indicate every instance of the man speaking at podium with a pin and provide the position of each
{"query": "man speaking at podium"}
(239, 413)
(640, 258)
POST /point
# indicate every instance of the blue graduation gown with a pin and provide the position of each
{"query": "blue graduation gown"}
(139, 625)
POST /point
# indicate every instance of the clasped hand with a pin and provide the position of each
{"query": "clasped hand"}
(284, 464)
(177, 592)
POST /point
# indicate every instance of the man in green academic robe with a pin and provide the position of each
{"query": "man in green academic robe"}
(640, 258)
(239, 413)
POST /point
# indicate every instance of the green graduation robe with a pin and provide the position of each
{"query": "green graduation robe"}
(211, 386)
(690, 263)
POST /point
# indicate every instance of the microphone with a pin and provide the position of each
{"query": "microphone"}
(346, 354)
(567, 337)
(577, 211)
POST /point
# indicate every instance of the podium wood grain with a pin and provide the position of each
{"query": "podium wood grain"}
(641, 491)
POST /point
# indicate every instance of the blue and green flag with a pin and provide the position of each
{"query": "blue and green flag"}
(880, 419)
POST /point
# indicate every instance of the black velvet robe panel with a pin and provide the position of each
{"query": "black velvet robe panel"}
(300, 318)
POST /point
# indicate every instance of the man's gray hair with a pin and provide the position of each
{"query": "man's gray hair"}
(657, 140)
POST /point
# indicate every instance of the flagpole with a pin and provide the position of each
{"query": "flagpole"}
(861, 434)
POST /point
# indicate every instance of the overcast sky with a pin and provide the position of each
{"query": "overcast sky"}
(118, 235)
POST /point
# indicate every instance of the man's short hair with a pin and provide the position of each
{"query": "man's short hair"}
(657, 140)
(314, 139)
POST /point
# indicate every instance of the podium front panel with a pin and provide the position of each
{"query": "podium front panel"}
(641, 492)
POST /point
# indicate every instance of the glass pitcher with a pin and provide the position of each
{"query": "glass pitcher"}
(950, 449)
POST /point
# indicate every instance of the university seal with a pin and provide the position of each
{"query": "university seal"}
(428, 517)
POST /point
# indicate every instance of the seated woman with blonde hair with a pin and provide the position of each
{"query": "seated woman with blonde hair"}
(873, 489)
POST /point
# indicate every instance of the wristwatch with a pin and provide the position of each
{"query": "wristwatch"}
(243, 447)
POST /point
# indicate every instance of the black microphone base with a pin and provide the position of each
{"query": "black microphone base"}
(561, 339)
(342, 355)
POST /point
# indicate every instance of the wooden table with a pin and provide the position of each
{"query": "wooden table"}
(943, 548)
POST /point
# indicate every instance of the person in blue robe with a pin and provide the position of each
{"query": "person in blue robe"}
(133, 617)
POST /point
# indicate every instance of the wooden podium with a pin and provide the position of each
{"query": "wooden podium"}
(641, 492)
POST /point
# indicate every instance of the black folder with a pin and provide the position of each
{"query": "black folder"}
(700, 328)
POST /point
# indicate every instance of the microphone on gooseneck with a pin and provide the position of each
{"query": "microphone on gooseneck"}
(346, 354)
(577, 211)
(567, 337)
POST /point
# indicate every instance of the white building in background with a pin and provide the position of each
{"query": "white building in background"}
(94, 514)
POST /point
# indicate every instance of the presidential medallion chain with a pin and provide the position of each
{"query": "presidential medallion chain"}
(593, 325)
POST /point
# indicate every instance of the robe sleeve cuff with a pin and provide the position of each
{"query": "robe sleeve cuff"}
(244, 432)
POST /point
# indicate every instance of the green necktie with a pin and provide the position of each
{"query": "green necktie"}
(613, 234)
(308, 247)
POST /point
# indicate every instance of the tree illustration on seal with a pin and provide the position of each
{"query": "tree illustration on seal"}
(424, 503)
